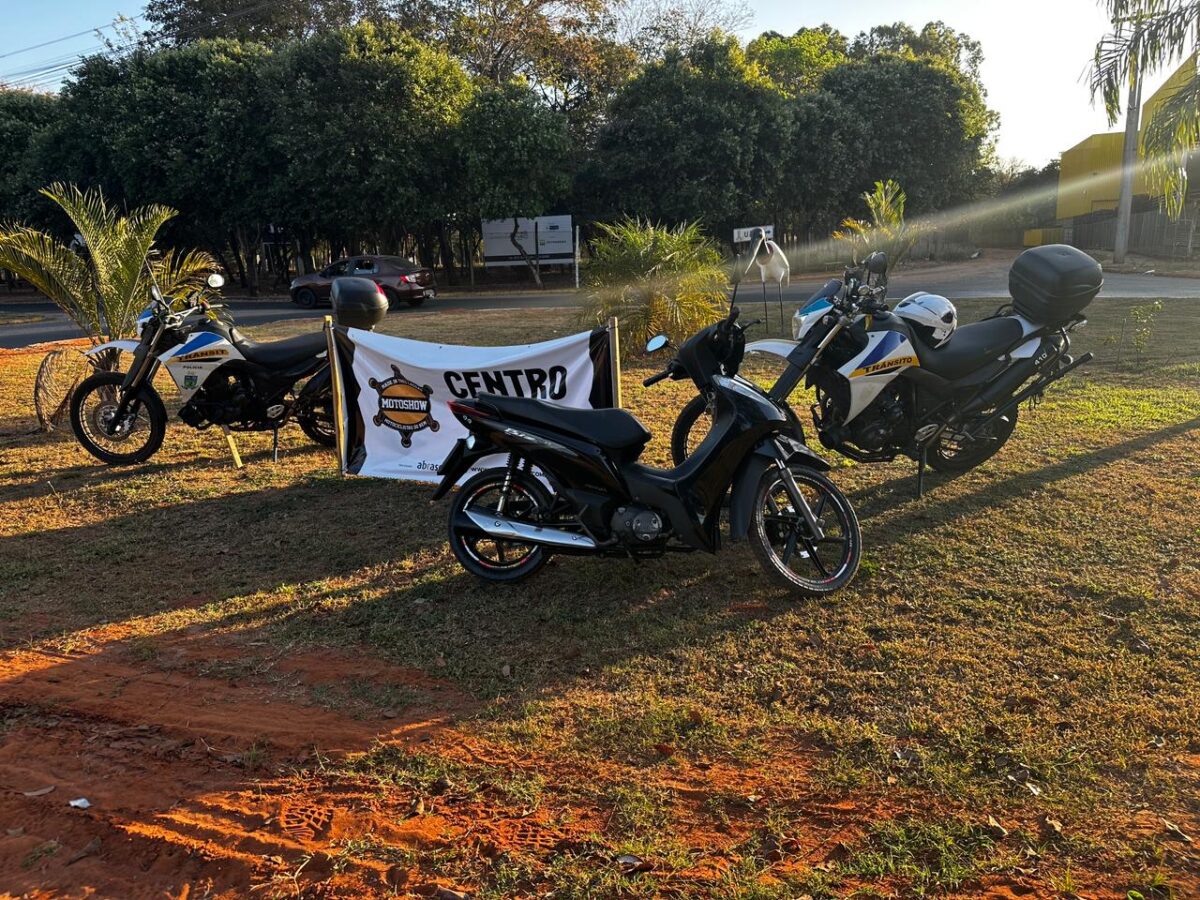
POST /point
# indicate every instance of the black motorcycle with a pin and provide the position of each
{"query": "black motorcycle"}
(885, 389)
(224, 378)
(597, 499)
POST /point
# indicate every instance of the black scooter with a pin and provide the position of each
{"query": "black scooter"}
(506, 523)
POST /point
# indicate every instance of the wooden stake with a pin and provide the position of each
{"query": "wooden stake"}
(233, 450)
(614, 349)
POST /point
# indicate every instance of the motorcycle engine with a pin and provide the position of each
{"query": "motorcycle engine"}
(882, 423)
(223, 401)
(637, 524)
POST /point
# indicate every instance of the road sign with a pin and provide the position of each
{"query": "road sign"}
(742, 235)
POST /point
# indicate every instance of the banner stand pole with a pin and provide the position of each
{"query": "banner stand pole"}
(576, 257)
(335, 379)
(614, 349)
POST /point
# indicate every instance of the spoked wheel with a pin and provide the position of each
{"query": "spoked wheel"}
(956, 452)
(317, 421)
(485, 495)
(133, 439)
(692, 427)
(787, 547)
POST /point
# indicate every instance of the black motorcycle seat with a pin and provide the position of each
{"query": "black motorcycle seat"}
(971, 347)
(612, 429)
(279, 354)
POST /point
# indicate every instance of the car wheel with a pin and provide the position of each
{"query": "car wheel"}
(305, 298)
(416, 301)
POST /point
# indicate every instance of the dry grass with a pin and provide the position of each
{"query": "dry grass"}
(1023, 644)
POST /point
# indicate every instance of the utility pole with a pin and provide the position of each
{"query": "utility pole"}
(1129, 161)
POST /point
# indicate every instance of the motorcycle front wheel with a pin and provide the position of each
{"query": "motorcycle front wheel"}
(786, 546)
(485, 557)
(135, 438)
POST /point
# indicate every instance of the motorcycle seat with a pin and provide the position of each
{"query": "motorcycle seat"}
(613, 429)
(279, 354)
(971, 347)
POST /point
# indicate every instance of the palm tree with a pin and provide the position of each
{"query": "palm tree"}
(1150, 34)
(887, 229)
(104, 288)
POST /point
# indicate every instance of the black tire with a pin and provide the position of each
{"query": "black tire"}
(683, 441)
(147, 409)
(415, 301)
(778, 534)
(317, 420)
(305, 298)
(471, 547)
(953, 458)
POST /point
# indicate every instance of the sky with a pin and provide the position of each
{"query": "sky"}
(1036, 52)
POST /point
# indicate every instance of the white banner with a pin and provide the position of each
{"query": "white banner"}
(554, 244)
(400, 390)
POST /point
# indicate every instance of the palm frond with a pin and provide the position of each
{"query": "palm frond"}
(125, 288)
(1172, 133)
(56, 271)
(181, 274)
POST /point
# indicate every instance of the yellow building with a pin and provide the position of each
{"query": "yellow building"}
(1090, 177)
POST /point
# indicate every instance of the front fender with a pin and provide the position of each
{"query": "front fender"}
(127, 346)
(750, 473)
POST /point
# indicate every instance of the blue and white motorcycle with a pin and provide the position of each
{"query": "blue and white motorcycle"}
(224, 379)
(910, 381)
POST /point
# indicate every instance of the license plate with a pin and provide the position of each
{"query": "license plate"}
(430, 293)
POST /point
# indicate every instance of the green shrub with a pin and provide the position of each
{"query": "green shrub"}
(655, 280)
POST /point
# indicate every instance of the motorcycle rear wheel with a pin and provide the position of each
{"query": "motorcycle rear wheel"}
(953, 456)
(786, 547)
(317, 421)
(136, 439)
(495, 561)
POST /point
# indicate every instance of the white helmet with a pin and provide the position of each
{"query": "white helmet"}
(933, 318)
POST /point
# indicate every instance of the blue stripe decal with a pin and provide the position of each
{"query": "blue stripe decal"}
(816, 306)
(890, 342)
(198, 341)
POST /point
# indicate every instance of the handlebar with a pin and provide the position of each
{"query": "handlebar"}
(655, 379)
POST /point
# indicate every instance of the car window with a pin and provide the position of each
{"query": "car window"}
(364, 267)
(338, 268)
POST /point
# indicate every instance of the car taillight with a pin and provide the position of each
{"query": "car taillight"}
(404, 279)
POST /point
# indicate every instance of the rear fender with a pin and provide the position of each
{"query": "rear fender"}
(460, 461)
(750, 473)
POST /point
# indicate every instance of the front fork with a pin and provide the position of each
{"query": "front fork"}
(799, 503)
(145, 364)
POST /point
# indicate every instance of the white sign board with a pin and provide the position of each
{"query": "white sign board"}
(554, 244)
(742, 235)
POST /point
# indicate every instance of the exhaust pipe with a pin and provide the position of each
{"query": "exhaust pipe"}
(502, 527)
(1051, 351)
(1040, 385)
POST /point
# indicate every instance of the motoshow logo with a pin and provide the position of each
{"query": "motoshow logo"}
(403, 406)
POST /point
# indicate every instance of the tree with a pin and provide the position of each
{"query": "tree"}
(178, 22)
(797, 63)
(928, 127)
(514, 153)
(700, 135)
(653, 27)
(937, 42)
(23, 116)
(362, 137)
(1148, 35)
(887, 230)
(103, 289)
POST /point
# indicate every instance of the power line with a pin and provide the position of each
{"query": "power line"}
(68, 37)
(53, 69)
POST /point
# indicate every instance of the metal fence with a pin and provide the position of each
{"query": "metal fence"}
(1151, 233)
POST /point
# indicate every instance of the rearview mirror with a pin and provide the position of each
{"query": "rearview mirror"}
(216, 281)
(656, 343)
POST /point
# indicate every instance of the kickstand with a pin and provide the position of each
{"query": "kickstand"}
(275, 445)
(233, 450)
(921, 472)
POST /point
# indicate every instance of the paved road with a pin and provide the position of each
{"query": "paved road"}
(960, 282)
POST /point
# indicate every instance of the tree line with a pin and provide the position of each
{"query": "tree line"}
(307, 128)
